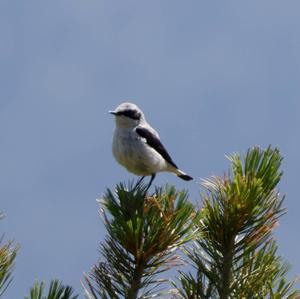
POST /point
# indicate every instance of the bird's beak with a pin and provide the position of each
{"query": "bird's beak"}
(112, 112)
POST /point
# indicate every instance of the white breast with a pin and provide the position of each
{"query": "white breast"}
(132, 151)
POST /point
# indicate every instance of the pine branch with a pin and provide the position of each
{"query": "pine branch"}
(8, 253)
(235, 256)
(143, 234)
(56, 291)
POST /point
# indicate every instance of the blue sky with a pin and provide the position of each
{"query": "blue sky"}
(213, 77)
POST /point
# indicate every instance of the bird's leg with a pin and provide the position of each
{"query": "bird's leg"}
(139, 181)
(151, 180)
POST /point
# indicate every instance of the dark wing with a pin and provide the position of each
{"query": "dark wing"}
(155, 143)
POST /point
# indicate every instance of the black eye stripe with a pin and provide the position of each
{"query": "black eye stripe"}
(131, 114)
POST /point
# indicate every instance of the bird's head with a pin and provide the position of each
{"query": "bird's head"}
(128, 115)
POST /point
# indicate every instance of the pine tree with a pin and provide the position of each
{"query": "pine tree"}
(236, 255)
(228, 241)
(143, 235)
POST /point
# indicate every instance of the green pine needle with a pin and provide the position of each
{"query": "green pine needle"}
(235, 256)
(143, 234)
(8, 253)
(56, 291)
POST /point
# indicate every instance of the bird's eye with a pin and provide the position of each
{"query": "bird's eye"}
(131, 114)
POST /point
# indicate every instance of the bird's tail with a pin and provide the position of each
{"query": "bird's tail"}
(183, 175)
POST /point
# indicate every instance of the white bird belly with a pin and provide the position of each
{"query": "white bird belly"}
(135, 154)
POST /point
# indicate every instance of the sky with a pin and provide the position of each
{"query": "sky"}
(213, 77)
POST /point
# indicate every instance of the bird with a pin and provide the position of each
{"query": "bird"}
(137, 146)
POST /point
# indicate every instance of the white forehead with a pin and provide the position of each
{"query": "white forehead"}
(127, 106)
